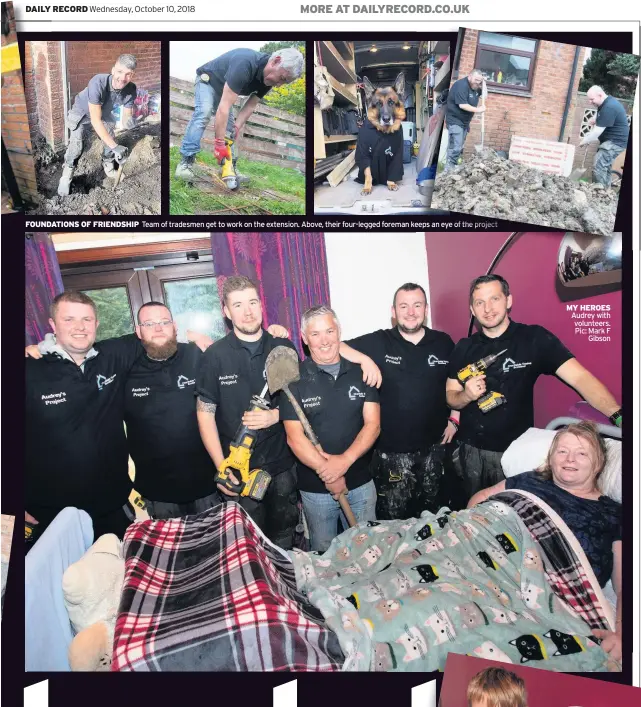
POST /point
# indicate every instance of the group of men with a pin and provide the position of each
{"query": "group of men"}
(610, 125)
(382, 405)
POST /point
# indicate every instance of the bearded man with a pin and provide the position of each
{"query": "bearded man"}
(174, 473)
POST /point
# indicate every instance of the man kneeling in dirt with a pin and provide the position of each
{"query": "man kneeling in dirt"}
(611, 129)
(97, 106)
(239, 72)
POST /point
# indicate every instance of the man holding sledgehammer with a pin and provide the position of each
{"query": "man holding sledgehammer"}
(344, 412)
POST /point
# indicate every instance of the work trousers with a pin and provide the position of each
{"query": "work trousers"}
(79, 127)
(322, 513)
(161, 510)
(407, 484)
(474, 470)
(206, 105)
(456, 135)
(277, 514)
(602, 171)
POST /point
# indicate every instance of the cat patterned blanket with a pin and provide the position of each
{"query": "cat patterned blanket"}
(401, 595)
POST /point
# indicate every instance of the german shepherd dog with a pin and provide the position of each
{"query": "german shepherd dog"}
(379, 151)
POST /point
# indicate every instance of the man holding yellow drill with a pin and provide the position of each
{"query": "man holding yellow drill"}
(518, 355)
(239, 72)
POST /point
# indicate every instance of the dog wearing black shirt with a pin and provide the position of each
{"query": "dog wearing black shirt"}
(379, 150)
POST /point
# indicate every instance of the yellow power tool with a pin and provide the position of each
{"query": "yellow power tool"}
(491, 399)
(228, 171)
(253, 482)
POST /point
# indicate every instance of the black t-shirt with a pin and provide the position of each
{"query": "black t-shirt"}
(612, 116)
(240, 69)
(76, 449)
(334, 408)
(172, 464)
(228, 377)
(100, 92)
(531, 352)
(460, 93)
(596, 524)
(414, 409)
(381, 152)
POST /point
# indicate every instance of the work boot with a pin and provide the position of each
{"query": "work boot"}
(185, 168)
(65, 181)
(108, 167)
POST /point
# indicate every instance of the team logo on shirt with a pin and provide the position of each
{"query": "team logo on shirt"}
(102, 381)
(140, 392)
(184, 381)
(433, 360)
(511, 363)
(54, 398)
(389, 152)
(355, 393)
(230, 379)
(396, 360)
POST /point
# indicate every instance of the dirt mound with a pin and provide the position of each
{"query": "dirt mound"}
(489, 185)
(92, 193)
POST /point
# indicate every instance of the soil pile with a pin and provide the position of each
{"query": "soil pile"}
(489, 185)
(92, 193)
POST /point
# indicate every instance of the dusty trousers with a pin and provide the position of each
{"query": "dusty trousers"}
(407, 483)
(277, 514)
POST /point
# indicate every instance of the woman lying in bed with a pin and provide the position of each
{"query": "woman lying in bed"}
(568, 483)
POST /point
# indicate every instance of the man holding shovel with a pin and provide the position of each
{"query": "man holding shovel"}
(611, 129)
(344, 413)
(95, 107)
(462, 104)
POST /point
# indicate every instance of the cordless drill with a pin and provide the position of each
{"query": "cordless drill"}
(490, 399)
(253, 483)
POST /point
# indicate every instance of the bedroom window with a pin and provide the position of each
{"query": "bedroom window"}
(506, 61)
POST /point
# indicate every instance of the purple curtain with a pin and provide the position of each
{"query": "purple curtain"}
(42, 283)
(290, 269)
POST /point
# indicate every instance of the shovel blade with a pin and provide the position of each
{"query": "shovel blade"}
(281, 368)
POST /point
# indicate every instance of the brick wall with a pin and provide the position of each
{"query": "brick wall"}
(45, 92)
(15, 124)
(537, 115)
(44, 84)
(86, 59)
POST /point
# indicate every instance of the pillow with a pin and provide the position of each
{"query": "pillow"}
(529, 451)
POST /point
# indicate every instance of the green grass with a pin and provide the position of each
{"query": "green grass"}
(186, 199)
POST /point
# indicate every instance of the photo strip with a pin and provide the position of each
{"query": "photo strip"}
(330, 327)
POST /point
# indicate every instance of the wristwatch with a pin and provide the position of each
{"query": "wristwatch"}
(616, 417)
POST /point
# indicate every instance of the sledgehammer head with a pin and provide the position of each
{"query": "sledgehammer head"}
(281, 368)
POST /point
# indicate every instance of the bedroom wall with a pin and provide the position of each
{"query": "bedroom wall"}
(365, 269)
(529, 265)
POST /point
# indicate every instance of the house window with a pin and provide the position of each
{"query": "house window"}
(506, 61)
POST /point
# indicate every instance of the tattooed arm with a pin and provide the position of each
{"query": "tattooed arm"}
(206, 414)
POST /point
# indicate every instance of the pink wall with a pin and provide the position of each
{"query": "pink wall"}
(544, 689)
(529, 265)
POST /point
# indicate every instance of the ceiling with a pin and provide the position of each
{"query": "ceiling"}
(382, 66)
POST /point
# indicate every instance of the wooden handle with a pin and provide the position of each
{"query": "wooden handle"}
(347, 510)
(342, 499)
(302, 417)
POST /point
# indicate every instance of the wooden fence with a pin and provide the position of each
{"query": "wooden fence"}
(281, 135)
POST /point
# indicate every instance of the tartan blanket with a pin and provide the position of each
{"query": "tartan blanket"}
(210, 592)
(570, 578)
